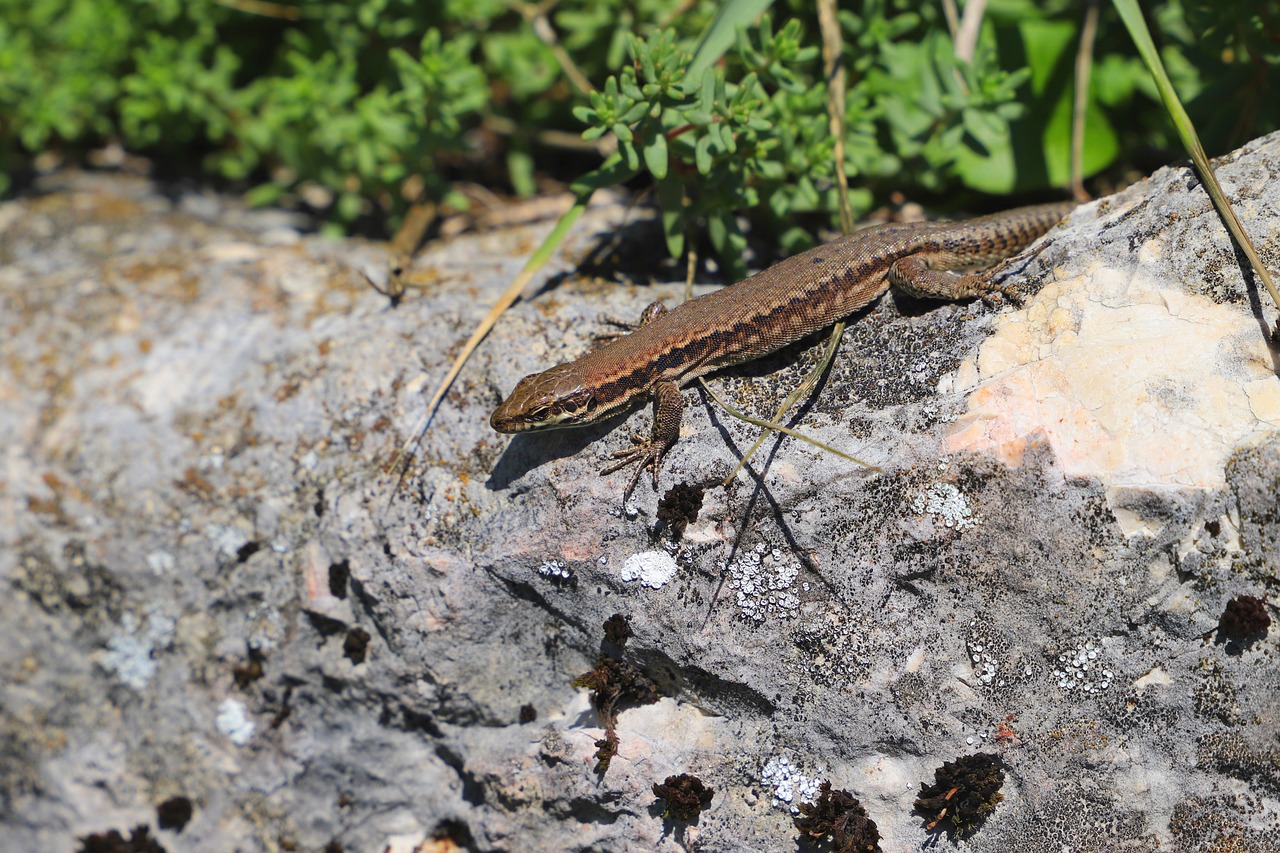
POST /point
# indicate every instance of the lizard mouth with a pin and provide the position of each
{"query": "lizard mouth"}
(509, 418)
(505, 420)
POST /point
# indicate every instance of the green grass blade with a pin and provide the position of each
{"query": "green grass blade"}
(609, 174)
(722, 31)
(1137, 26)
(773, 425)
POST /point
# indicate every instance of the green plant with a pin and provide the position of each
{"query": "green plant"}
(377, 104)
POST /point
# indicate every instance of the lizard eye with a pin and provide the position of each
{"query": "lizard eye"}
(578, 403)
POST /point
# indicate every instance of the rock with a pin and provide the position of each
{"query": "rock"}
(197, 406)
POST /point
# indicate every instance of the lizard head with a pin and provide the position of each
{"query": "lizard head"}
(553, 398)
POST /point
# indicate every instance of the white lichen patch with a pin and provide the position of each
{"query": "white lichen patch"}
(985, 665)
(130, 654)
(654, 569)
(161, 562)
(1082, 668)
(234, 722)
(555, 569)
(228, 540)
(948, 505)
(989, 654)
(764, 580)
(265, 628)
(787, 784)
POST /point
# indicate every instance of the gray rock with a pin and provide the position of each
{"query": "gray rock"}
(213, 591)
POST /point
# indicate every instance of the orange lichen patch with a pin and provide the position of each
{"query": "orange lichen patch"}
(61, 488)
(288, 390)
(46, 506)
(169, 279)
(193, 483)
(110, 207)
(1005, 733)
(1080, 736)
(449, 837)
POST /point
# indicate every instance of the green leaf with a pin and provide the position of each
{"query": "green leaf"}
(264, 195)
(610, 174)
(671, 200)
(520, 170)
(637, 112)
(727, 140)
(350, 206)
(655, 153)
(629, 155)
(719, 36)
(702, 154)
(1050, 44)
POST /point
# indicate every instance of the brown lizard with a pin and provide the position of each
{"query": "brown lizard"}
(759, 315)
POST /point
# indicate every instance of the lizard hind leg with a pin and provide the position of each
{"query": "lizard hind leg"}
(653, 309)
(914, 275)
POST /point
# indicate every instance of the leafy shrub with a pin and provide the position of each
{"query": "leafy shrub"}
(366, 107)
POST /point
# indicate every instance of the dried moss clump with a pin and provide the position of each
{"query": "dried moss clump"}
(174, 813)
(617, 629)
(839, 816)
(963, 792)
(1244, 618)
(680, 506)
(139, 841)
(614, 683)
(686, 797)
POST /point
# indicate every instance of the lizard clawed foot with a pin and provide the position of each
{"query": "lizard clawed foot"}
(1008, 291)
(622, 327)
(1000, 294)
(654, 309)
(646, 452)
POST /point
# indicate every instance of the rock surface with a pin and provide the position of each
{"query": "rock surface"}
(214, 602)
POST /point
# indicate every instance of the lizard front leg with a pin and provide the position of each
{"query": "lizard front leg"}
(668, 408)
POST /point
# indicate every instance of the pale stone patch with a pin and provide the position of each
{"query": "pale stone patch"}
(1132, 382)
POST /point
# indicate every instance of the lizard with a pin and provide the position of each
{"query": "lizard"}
(759, 315)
